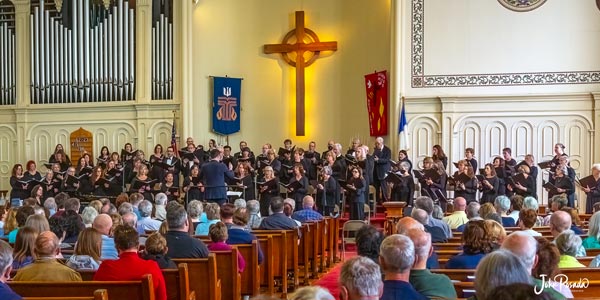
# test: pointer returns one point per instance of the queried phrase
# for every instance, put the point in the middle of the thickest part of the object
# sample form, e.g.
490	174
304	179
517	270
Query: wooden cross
306	41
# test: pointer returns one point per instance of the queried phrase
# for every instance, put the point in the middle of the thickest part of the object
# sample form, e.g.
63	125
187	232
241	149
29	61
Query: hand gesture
320	186
587	189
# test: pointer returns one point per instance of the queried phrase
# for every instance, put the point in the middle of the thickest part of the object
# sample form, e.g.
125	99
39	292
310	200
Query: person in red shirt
129	266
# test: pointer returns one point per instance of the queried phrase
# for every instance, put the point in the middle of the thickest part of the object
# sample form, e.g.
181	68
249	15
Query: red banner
377	102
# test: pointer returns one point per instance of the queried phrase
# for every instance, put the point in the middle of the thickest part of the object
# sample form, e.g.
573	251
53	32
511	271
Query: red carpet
329	281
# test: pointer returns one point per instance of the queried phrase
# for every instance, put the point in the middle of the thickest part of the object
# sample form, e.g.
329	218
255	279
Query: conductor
213	175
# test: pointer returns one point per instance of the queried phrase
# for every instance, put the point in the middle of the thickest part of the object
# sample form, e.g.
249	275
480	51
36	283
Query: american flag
174	138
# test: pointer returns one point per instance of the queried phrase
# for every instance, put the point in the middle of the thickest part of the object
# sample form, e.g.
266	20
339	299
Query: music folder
480	178
114	172
314	183
269	184
103	180
461	178
309	155
283	151
163	165
351	159
138	184
519	178
72	180
455	164
545	164
48	166
394	178
187	155
550	187
292	185
172	190
588	181
84	171
482	171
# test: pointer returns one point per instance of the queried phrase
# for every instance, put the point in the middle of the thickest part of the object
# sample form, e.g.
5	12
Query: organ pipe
162	50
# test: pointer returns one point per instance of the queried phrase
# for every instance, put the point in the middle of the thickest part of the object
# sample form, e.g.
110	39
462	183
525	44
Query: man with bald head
458	217
103	223
429	284
405	225
437	234
46	267
524	247
559	222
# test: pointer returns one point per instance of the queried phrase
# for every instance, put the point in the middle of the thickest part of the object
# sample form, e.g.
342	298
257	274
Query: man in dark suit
278	220
175	162
213	175
381	156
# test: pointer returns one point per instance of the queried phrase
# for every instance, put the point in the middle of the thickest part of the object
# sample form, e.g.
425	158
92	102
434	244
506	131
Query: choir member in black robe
300	192
524	189
470	158
17	184
562	184
244	182
157	172
489	185
192	186
53	158
268	189
439	155
403	189
465	184
169	187
328	192
592	190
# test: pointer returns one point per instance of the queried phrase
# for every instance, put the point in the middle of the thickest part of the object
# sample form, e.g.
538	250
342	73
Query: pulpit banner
377	102
226	105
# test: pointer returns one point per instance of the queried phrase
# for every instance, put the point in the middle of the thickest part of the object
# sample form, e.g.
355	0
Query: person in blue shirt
396	257
307	213
476	244
5	268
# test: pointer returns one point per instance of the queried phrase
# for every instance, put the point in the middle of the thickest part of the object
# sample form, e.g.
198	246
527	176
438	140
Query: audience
556	203
476	244
575	221
498	268
46	267
429	284
311	293
253	208
524	246
87	251
437	233
593	239
532	203
39	223
24	248
486	210
88	216
519	291
559	222
130	266
425	203
459	216
195	211
237	233
547	265
307	213
218	236
156	249
496	233
146	223
5	268
516	205
368	240
396	257
360	278
278	220
103	224
502	205
179	242
527	219
160	212
213	214
21	216
407	223
568	244
472	214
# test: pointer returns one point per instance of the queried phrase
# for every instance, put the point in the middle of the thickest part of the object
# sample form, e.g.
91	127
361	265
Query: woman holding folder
465	183
591	187
489	185
355	189
268	189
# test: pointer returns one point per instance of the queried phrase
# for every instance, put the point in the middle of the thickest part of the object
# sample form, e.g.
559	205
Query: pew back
203	276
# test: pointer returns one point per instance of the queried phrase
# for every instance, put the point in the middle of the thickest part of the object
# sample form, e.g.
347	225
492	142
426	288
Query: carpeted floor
329	281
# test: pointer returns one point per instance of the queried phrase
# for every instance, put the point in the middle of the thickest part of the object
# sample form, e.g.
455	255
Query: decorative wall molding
420	79
522	5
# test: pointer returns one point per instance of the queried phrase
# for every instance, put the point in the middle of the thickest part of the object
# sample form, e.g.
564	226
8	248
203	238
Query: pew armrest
192	295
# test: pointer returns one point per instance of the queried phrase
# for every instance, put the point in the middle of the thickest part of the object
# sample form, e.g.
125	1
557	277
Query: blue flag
403	128
226	105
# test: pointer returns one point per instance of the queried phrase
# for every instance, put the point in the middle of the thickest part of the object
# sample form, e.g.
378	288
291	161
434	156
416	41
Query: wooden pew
321	249
330	242
142	290
446	254
592	252
203	276
305	249
574	274
292	241
250	281
177	282
98	295
280	255
267	274
463	275
447	246
228	273
336	238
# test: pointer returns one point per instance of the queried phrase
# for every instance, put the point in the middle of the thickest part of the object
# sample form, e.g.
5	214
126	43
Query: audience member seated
532	203
213	216
311	293
593	239
307	213
160	212
156	249
21	216
498	268
5	268
239	203
88	215
146	223
130	266
502	205
253	208
218	236
237	233
519	291
437	233
87	251
425	203
495	232
104	223
527	219
407	223
557	202
67	226
437	213
568	243
547	265
516	205
179	242
486	210
575	221
46	267
476	244
24	250
288	210
559	222
278	220
360	278
195	210
429	284
472	214
396	257
524	246
459	216
368	241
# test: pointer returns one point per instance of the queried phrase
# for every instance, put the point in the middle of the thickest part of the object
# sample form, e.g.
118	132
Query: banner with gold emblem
226	105
377	102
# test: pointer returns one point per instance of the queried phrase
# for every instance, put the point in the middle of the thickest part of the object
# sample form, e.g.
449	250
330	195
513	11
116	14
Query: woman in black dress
489	185
268	189
192	186
18	188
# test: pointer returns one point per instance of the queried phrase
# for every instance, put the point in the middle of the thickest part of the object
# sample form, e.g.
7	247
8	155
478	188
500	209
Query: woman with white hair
311	293
88	215
328	192
502	205
563	184
568	243
532	203
593	239
592	191
499	268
